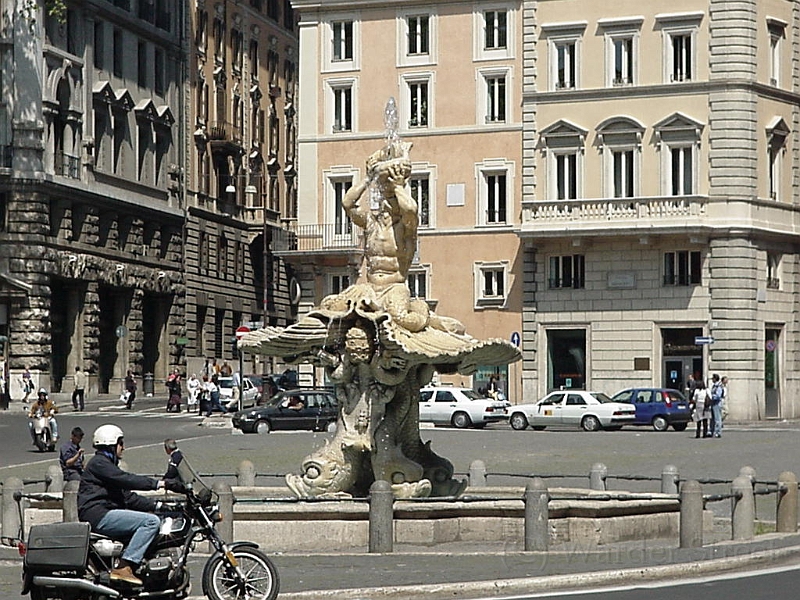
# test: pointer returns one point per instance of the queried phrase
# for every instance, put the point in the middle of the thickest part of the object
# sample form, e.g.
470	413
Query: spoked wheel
221	582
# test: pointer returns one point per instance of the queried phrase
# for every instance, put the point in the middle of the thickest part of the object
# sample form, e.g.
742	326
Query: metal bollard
742	509
69	504
12	526
381	517
537	527
597	477
477	474
786	518
225	502
691	534
246	474
54	480
669	480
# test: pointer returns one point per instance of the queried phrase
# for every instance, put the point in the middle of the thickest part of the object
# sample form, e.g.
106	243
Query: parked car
659	407
459	407
228	399
588	410
311	409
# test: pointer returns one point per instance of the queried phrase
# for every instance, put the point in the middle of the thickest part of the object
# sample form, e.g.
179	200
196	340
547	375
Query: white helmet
107	435
42	391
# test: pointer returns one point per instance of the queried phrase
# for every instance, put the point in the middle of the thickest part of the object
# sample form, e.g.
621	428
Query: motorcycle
65	561
42	436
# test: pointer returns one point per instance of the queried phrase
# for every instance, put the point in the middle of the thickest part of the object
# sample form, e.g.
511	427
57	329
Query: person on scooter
106	501
49	409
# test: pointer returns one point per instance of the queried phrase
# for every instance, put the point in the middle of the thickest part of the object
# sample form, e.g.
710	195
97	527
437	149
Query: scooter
67	561
42	436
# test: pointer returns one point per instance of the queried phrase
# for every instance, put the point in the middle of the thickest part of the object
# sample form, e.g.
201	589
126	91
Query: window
342	48
99	44
777	33
495	98
418	103
142	64
118	52
682	268
158	72
253	58
495	29
566	176
773	271
777	133
621	138
342	223
420	192
679	138
495	181
491	284
342	108
681	57
496	197
237	50
219	40
565	65
623	173
679	31
682	169
418	283
418	34
338	283
567	272
201	35
623	61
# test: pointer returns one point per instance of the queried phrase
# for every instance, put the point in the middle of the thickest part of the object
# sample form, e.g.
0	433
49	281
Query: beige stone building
660	182
455	71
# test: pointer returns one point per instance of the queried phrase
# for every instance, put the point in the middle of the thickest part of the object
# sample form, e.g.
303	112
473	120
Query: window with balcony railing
6	155
67	165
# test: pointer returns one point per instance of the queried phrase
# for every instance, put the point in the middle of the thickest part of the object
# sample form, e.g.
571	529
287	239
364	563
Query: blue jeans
140	527
716	419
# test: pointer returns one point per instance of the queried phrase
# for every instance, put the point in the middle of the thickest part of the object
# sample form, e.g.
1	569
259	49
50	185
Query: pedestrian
717	398
702	409
27	385
212	390
78	393
724	404
193	385
174	387
175	458
71	456
225	370
691	386
130	389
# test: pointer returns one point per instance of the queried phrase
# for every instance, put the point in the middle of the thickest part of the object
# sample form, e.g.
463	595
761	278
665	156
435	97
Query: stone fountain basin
333	525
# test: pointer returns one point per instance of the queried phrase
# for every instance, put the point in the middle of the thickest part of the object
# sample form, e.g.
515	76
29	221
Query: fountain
379	346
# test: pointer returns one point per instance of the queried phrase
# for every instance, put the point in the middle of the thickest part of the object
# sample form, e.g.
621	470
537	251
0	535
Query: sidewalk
464	571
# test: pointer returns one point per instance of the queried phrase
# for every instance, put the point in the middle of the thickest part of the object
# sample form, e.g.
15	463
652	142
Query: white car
589	410
229	400
459	407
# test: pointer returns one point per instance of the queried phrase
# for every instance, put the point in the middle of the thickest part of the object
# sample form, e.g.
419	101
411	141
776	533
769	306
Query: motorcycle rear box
58	547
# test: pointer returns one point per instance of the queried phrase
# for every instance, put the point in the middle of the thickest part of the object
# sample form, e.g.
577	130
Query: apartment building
91	213
455	72
660	178
242	184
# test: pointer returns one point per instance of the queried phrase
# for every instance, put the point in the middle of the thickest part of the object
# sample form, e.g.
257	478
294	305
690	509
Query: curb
547	583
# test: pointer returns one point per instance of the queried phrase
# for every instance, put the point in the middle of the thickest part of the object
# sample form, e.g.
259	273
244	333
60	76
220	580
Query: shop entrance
566	359
681	357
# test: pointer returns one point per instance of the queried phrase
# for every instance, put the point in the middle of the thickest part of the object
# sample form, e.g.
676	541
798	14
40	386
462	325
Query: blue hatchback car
659	407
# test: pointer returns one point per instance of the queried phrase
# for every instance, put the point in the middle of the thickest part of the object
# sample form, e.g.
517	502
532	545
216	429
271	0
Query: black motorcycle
65	561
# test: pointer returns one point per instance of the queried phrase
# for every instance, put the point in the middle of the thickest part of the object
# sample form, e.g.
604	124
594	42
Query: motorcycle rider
106	501
49	409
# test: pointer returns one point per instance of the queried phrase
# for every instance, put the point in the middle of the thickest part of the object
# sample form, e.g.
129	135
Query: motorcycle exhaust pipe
74	583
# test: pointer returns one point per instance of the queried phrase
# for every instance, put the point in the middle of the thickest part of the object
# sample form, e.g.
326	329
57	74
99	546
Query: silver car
459	407
229	400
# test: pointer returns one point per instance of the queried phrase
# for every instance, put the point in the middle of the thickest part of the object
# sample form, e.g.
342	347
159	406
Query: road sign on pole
701	340
240	331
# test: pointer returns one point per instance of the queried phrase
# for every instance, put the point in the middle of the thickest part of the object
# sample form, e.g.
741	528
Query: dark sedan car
660	408
311	409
